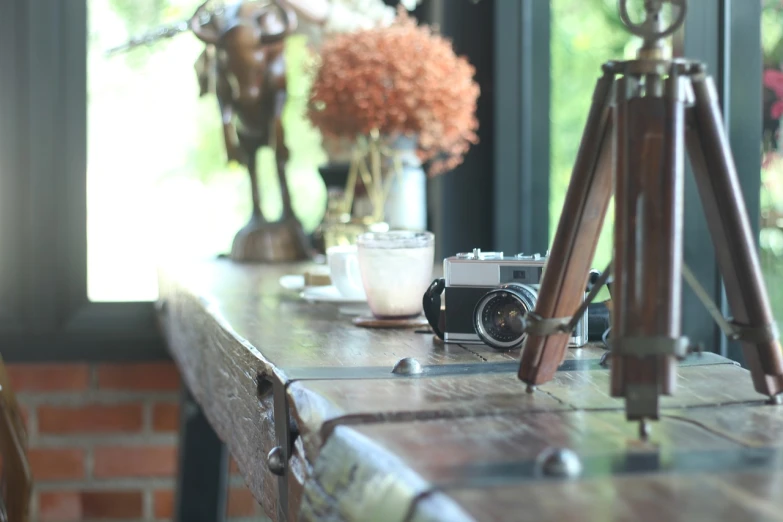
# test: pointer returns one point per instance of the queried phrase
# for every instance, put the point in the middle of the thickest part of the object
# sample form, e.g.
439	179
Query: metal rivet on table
558	462
407	366
275	461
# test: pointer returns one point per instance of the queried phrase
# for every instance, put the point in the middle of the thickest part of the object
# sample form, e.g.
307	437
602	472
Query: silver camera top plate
479	268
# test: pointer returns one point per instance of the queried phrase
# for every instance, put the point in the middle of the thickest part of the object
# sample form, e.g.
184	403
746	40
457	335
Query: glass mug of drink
396	269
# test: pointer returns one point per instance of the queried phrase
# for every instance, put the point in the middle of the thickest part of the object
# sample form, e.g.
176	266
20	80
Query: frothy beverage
396	269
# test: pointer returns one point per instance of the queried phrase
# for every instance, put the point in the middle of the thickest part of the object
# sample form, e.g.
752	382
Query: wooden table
460	441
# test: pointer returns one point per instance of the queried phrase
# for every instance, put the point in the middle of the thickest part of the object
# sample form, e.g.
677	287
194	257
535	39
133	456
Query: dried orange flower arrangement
400	79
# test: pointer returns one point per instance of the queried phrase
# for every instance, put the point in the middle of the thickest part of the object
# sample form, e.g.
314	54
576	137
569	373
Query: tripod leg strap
753	334
733	330
537	325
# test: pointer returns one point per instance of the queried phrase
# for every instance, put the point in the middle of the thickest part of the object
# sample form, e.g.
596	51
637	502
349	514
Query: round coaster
368	321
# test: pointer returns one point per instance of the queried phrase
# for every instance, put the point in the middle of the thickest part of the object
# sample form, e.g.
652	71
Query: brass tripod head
652	29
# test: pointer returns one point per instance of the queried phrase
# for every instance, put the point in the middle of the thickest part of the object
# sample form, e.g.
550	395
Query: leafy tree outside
587	33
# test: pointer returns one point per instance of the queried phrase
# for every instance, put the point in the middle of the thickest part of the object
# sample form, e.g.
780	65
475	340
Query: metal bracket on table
278	458
286	431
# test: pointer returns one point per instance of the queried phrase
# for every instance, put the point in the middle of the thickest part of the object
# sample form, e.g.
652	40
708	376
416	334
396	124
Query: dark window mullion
702	41
10	117
535	124
726	35
43	145
508	129
43	233
742	97
522	125
742	104
73	71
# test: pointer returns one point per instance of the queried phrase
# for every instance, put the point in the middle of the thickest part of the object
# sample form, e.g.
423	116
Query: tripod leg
649	135
563	284
727	218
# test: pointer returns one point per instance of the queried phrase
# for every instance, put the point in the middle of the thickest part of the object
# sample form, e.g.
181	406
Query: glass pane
771	237
585	35
158	181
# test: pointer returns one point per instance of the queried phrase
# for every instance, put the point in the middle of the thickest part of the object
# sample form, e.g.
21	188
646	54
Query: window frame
45	313
726	36
522	125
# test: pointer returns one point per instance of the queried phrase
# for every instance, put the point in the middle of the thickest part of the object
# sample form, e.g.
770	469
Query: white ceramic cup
344	271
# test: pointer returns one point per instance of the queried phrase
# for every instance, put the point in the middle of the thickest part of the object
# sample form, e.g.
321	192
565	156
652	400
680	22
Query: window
585	35
157	178
43	275
158	183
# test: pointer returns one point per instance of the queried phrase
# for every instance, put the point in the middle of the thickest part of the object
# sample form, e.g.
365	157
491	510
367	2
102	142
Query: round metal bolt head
275	461
407	366
559	462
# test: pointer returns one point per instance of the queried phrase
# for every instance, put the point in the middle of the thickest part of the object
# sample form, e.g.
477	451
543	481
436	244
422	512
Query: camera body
480	286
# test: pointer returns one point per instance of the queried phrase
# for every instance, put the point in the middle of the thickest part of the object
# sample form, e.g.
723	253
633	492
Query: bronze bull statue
244	63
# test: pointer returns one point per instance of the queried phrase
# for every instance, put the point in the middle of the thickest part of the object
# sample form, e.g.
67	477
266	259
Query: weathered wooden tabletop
460	441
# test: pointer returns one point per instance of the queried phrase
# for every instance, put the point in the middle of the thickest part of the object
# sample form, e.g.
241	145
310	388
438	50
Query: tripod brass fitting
652	30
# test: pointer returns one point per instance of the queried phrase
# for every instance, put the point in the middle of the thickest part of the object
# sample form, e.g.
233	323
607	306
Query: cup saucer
327	294
368	321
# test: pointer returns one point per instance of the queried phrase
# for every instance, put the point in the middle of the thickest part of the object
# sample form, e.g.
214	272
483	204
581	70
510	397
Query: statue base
263	242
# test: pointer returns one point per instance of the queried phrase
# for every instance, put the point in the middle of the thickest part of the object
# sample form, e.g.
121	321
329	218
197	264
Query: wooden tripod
645	114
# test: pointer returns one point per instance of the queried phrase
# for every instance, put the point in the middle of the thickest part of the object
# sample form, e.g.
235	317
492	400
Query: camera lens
499	316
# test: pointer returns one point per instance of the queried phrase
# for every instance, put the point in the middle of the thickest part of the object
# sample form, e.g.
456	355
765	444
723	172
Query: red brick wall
103	442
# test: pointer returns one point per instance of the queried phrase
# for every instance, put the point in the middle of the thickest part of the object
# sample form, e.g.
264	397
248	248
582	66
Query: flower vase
406	204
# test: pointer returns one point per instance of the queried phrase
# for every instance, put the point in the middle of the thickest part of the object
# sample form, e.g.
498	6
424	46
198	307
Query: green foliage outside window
771	237
587	33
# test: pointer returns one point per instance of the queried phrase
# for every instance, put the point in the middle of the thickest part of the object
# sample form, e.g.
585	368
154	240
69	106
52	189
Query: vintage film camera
487	296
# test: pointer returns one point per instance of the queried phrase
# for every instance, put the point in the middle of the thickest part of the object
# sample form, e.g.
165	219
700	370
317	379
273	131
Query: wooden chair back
15	477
